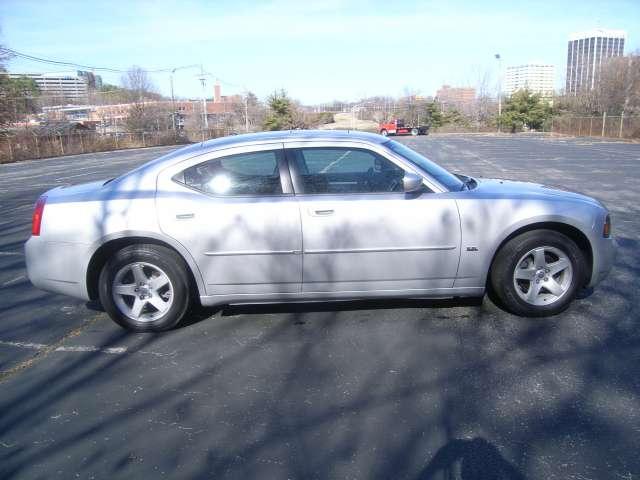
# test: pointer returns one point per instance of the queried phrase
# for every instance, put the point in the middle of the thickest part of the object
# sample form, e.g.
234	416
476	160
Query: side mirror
412	182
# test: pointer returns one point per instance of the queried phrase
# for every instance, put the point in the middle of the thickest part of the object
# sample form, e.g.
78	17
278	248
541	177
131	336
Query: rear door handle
184	216
322	213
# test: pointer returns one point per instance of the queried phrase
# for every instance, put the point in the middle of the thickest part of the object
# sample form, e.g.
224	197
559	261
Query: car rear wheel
414	132
145	288
538	273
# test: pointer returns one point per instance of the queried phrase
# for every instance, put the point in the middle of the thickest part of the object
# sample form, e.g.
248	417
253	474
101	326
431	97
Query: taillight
38	211
606	230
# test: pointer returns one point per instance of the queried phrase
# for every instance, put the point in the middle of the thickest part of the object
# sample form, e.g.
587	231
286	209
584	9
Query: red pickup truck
397	127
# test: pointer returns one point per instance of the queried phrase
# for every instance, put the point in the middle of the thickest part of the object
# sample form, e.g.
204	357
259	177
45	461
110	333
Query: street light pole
499	58
173	103
203	81
173	99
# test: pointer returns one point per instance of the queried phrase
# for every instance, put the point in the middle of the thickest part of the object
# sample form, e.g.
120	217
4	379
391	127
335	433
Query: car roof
293	136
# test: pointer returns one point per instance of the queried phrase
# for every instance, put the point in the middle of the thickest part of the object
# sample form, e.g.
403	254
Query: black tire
506	261
415	132
165	259
384	133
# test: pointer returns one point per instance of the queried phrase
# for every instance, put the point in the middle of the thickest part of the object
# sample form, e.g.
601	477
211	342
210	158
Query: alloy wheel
543	276
142	291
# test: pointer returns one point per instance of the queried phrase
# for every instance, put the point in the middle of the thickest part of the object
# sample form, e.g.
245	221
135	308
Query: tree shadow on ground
470	459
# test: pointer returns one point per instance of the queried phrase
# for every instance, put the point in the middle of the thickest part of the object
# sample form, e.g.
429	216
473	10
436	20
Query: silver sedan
311	216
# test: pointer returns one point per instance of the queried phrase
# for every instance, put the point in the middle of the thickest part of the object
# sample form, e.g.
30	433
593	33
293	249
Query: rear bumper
603	259
57	267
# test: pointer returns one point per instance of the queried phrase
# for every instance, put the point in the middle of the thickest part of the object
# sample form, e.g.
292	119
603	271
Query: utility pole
173	103
499	58
203	81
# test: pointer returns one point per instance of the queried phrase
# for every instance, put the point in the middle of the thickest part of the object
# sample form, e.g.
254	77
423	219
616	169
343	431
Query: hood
498	188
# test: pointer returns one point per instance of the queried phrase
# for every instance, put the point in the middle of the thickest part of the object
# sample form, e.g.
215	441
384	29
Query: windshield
448	180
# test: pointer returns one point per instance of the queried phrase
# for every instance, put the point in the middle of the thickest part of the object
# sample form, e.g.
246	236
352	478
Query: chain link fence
27	144
626	127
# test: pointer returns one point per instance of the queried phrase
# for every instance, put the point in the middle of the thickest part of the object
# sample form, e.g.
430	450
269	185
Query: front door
361	232
237	216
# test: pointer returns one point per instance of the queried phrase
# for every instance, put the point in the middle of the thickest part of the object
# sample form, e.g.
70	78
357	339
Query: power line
47	61
33	58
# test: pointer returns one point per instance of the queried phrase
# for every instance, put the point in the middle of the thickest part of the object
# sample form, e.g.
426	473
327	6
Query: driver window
346	170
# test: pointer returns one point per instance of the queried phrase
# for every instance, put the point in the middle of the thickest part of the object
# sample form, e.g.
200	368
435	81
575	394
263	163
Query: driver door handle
321	212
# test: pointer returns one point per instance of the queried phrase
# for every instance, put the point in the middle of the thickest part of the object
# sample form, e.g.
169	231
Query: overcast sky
317	51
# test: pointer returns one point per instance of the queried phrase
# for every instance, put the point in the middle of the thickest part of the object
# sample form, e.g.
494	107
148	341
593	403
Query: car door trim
253	252
382	249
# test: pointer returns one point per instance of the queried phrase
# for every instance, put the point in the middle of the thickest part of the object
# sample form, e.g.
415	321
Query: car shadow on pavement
346	305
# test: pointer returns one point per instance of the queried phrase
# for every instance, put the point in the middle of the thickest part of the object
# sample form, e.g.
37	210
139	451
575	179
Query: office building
535	77
586	53
69	87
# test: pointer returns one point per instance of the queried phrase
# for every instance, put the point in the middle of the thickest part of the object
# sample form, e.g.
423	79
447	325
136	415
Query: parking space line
73	348
14	280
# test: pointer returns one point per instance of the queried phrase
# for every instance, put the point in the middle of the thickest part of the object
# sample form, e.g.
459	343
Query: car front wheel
145	288
538	273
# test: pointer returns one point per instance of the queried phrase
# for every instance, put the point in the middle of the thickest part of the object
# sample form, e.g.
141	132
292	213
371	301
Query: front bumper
57	267
604	256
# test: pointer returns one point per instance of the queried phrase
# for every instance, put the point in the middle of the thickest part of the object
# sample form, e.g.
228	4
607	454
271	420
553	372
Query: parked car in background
311	215
398	127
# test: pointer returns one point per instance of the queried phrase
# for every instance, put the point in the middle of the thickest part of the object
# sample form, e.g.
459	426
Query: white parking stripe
74	348
13	280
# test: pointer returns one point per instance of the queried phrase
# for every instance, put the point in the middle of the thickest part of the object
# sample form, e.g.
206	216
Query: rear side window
346	170
254	173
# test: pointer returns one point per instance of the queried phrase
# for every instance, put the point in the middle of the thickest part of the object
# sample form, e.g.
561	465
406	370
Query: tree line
617	92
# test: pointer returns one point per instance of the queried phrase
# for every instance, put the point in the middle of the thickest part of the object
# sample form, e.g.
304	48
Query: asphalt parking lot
358	390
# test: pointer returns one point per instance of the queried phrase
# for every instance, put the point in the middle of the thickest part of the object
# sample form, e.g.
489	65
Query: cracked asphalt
357	390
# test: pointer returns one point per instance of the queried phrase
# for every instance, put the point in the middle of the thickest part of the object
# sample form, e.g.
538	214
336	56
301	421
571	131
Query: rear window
253	173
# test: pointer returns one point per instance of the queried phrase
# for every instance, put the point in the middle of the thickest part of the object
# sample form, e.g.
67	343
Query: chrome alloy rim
142	291
543	276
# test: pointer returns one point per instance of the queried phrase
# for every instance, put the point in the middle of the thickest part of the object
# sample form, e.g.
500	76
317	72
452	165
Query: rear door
235	212
361	232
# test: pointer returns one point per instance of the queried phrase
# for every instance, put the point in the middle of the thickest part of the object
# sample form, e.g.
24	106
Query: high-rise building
585	54
535	77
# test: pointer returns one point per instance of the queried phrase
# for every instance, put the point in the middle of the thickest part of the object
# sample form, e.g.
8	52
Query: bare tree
410	106
250	112
619	85
140	87
485	106
617	90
